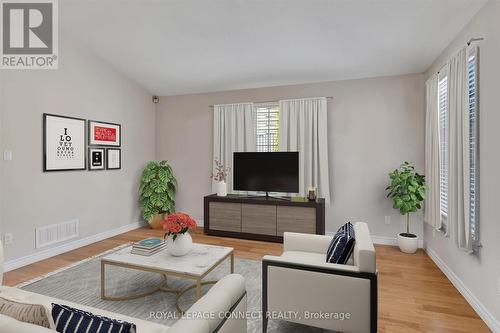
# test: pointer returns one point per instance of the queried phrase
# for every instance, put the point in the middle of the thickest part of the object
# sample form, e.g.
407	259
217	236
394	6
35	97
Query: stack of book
148	246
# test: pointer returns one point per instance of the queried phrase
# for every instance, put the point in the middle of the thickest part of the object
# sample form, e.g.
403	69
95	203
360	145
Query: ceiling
191	46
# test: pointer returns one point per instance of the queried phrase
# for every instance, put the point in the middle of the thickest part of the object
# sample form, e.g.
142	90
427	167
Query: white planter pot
407	243
221	189
181	246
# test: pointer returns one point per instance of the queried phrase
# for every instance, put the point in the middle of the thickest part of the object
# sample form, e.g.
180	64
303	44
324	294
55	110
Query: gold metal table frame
164	285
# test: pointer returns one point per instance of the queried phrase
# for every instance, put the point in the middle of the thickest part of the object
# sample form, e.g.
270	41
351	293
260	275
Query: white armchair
302	286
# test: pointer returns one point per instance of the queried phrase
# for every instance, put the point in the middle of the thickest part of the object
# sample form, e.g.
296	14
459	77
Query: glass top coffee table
193	266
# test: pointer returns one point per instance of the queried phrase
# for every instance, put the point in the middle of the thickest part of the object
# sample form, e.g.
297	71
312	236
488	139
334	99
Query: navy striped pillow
342	245
70	320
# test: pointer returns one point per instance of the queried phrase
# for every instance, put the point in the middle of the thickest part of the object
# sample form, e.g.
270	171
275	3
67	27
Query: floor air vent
56	233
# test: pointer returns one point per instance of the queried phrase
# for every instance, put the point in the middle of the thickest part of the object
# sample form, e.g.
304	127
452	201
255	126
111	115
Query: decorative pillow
70	320
342	245
35	314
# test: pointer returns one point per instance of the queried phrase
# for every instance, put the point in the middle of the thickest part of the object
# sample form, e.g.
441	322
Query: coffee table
193	266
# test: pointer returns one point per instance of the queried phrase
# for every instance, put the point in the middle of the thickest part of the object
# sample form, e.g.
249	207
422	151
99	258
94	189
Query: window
443	146
472	73
267	127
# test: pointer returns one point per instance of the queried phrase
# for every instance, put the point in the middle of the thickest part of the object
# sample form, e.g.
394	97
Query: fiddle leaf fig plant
407	190
157	190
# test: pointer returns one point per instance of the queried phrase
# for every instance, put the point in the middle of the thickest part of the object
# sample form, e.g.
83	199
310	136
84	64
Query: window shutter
473	143
443	145
267	127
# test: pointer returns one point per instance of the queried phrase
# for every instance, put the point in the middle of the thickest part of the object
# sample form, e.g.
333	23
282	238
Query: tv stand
262	217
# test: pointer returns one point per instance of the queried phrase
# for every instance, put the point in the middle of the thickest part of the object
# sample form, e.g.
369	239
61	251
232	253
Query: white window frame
267	138
473	52
443	156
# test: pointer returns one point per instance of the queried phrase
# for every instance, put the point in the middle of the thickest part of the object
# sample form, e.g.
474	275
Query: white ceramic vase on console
181	246
221	189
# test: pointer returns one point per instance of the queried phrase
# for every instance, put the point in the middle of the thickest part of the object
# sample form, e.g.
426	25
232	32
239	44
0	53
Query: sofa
227	296
312	292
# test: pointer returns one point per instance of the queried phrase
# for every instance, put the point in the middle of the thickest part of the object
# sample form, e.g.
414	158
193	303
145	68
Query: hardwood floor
414	295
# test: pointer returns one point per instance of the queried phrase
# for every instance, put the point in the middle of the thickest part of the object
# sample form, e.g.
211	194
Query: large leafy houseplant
407	191
157	190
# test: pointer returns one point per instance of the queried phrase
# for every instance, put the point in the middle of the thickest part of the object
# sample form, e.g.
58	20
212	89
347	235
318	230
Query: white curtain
432	202
303	128
459	182
234	131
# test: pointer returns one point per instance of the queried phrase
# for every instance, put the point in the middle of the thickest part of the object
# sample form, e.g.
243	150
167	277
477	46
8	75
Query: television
266	172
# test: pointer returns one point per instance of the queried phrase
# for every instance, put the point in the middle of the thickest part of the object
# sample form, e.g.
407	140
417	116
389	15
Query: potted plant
157	192
220	176
407	191
177	226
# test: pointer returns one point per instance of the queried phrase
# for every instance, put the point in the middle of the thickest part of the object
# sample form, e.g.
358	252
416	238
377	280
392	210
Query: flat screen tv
266	172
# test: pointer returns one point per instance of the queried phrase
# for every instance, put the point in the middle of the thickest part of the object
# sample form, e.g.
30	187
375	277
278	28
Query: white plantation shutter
266	127
472	76
443	145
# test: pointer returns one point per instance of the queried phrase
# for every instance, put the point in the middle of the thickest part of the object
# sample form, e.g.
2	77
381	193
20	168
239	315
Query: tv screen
266	172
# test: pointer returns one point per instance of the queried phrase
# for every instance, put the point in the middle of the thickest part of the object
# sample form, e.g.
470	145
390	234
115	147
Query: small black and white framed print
104	134
63	143
96	158
113	158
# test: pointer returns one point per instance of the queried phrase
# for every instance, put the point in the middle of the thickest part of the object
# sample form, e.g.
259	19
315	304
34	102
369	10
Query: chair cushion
29	297
10	325
35	314
342	245
70	320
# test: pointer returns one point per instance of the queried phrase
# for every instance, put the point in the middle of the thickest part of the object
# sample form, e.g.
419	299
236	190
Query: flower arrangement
221	172
177	224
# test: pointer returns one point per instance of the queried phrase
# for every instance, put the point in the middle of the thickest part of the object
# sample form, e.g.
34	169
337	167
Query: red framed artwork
104	134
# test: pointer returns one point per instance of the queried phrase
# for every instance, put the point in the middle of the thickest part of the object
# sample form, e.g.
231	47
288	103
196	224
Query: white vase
408	243
181	246
221	189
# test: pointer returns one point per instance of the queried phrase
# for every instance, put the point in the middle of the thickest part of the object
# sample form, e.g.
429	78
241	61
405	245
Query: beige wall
85	87
480	274
373	125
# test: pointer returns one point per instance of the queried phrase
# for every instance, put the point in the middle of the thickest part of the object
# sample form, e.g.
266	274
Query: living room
330	166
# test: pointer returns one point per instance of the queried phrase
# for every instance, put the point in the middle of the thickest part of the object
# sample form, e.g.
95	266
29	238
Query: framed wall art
113	159
63	143
96	158
104	134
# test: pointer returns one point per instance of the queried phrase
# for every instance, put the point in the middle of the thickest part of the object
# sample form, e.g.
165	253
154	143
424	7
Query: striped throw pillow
70	320
342	245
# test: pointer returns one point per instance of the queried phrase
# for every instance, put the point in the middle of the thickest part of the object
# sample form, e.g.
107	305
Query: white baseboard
476	304
44	254
384	240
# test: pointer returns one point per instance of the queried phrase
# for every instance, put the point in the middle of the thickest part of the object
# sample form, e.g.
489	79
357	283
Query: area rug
80	283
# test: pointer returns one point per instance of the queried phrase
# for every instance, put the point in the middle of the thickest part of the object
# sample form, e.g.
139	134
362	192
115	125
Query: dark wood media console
262	218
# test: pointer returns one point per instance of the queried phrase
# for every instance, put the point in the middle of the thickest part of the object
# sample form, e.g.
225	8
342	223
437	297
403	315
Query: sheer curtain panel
303	128
432	202
459	169
234	131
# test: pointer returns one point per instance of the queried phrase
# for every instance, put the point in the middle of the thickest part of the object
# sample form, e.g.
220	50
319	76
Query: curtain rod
264	102
470	41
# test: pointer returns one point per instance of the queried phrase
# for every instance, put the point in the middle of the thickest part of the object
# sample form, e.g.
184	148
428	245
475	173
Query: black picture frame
89	131
119	160
91	160
44	143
